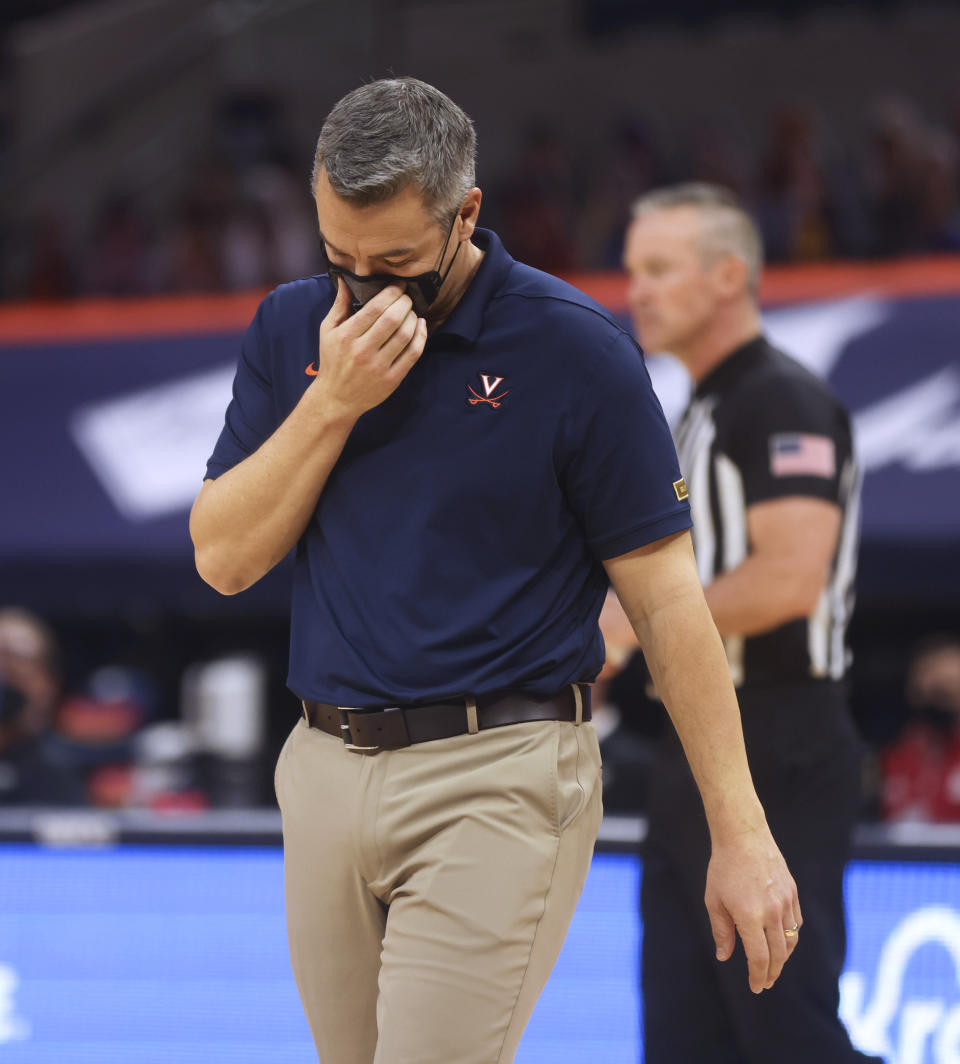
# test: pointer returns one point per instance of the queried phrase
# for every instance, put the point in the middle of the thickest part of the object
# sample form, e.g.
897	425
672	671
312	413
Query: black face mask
422	289
940	718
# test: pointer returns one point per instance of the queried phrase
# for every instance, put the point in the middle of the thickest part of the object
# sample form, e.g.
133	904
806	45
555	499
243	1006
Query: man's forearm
246	521
660	591
689	668
748	886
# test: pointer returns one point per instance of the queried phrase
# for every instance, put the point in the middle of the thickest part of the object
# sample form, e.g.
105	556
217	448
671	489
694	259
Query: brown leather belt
369	730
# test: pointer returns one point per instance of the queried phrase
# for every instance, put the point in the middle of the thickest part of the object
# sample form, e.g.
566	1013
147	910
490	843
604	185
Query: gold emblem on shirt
680	489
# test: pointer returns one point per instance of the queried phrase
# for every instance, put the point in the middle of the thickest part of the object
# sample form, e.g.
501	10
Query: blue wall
179	956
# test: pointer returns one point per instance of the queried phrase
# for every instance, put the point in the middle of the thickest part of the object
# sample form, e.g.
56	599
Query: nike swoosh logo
310	371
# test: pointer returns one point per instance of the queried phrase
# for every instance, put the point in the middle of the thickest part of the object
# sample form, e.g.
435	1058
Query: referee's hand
750	891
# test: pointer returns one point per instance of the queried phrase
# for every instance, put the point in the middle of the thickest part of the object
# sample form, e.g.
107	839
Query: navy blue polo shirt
457	545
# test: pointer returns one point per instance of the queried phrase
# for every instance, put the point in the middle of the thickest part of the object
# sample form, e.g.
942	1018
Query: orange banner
102	319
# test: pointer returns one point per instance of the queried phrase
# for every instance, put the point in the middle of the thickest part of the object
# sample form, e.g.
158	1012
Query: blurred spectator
99	726
940	199
270	235
248	247
921	771
537	203
50	273
632	164
718	153
94	747
896	179
244	219
249	130
793	200
168	775
269	230
34	767
291	218
122	260
195	252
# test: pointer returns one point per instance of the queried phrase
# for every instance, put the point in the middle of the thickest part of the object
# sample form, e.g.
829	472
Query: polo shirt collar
466	318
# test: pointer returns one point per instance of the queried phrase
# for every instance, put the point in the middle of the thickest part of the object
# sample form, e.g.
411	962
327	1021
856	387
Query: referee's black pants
804	756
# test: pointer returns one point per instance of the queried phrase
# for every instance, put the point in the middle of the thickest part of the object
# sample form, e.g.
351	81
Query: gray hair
396	132
728	228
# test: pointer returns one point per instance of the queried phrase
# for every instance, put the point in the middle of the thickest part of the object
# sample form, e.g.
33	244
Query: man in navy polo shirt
464	452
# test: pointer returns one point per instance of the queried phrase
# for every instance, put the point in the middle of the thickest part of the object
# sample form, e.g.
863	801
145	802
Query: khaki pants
429	889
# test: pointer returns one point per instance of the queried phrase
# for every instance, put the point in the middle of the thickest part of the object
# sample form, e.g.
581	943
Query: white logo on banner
924	1023
12	1027
149	449
816	334
918	428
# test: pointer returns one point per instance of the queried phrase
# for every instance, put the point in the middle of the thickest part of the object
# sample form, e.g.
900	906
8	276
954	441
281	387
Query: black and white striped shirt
760	427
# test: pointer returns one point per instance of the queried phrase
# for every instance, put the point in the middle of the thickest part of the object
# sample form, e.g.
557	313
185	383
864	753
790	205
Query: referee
774	491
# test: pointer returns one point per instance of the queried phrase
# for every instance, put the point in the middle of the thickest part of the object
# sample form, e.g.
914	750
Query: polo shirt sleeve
251	416
789	437
617	463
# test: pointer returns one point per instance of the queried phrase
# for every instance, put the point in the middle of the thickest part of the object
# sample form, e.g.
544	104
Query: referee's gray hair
396	132
728	227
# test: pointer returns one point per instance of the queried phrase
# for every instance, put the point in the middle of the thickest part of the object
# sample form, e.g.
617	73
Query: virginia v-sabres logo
493	392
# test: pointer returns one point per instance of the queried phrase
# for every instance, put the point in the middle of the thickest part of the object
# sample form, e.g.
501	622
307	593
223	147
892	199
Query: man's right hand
363	357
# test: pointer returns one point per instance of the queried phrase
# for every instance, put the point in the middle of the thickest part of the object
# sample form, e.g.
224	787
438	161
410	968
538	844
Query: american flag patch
796	454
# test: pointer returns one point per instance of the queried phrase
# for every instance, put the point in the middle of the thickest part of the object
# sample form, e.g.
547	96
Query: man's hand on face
363	357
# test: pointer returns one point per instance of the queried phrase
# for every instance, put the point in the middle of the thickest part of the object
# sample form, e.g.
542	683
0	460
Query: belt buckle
348	742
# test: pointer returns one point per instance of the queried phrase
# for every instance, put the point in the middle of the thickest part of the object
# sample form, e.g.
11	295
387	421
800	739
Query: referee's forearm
246	521
760	595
